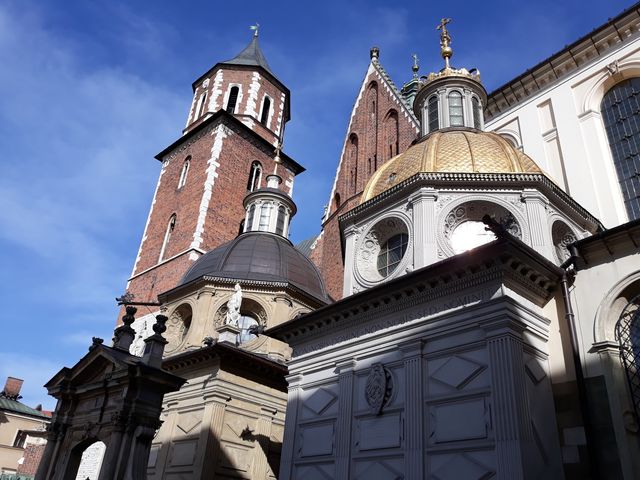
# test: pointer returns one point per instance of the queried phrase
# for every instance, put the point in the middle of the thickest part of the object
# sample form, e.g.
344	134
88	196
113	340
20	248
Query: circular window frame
369	244
446	228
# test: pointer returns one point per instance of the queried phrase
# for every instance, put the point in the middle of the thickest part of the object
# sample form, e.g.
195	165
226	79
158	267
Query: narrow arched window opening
203	101
167	236
336	201
241	228
280	223
233	99
433	113
266	106
184	172
255	176
456	111
265	217
250	215
477	113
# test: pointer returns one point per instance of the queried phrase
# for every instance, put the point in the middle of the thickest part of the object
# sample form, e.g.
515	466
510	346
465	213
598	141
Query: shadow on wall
201	455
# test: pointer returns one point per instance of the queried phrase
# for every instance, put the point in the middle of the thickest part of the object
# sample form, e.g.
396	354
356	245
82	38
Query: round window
391	253
381	251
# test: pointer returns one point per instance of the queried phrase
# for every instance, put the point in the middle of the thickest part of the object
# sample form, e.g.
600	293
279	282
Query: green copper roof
252	56
20	408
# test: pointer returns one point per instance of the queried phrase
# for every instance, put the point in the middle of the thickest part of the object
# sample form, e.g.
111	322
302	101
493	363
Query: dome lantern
452	97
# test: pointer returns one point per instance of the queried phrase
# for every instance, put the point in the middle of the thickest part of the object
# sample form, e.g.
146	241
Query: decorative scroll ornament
378	388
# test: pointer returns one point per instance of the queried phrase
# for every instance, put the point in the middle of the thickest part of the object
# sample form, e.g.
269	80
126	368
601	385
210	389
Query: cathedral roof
455	150
252	55
260	257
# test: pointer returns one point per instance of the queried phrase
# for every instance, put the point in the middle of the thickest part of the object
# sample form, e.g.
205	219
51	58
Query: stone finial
154	345
95	341
374	53
415	67
123	335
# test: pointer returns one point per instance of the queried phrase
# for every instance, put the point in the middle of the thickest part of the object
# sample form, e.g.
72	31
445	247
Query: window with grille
628	335
456	113
391	253
621	116
265	217
433	113
280	220
477	113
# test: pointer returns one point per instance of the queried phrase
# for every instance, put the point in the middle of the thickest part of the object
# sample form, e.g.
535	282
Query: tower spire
445	41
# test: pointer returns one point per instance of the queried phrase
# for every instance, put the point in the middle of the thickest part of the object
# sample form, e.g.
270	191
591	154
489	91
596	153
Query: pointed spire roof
252	55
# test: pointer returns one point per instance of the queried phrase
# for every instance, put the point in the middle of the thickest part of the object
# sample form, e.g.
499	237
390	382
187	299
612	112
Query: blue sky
91	91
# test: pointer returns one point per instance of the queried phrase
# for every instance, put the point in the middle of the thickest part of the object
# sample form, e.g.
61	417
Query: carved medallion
378	389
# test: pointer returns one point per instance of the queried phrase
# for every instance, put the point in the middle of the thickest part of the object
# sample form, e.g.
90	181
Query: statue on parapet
233	307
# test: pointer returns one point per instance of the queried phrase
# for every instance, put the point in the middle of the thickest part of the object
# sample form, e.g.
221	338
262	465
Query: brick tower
381	126
233	132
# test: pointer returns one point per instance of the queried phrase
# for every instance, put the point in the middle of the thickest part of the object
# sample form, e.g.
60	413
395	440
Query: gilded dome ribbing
451	150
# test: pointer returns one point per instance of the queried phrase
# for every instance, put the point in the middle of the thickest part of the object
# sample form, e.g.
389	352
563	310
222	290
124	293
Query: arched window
266	106
167	236
265	217
250	215
336	201
628	335
456	112
353	160
255	176
477	113
183	174
433	114
233	98
241	228
621	115
280	223
203	101
392	132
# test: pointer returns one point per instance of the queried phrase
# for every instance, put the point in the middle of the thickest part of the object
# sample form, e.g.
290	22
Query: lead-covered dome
260	257
456	150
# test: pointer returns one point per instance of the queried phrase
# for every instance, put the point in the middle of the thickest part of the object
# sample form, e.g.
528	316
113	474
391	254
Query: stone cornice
570	59
231	122
477	275
230	358
481	180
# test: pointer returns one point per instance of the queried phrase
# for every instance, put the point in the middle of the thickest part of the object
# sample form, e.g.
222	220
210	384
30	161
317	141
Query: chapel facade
463	313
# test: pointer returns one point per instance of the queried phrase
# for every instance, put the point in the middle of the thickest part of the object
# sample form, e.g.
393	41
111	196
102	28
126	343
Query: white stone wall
561	128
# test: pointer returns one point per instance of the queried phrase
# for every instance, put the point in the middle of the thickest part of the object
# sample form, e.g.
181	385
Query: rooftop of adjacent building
10	401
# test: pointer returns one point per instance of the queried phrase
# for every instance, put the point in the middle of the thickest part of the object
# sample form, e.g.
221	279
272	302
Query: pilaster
539	232
290	424
423	204
512	420
350	235
343	424
414	406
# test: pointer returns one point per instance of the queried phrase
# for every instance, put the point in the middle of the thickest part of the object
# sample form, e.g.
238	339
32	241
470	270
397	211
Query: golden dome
459	151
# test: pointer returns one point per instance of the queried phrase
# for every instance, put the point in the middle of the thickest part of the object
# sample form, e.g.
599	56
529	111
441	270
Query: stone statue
233	307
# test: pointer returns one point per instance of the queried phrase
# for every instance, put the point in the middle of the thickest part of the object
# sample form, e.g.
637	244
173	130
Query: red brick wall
377	122
244	78
224	213
32	456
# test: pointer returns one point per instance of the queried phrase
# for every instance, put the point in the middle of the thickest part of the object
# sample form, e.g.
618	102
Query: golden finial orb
445	41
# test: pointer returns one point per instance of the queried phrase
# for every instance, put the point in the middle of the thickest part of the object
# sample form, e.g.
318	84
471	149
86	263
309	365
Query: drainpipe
582	390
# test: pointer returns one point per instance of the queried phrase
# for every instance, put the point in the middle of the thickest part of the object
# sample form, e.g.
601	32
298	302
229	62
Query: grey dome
260	256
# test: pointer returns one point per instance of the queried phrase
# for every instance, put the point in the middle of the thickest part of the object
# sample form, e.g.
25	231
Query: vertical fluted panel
510	406
343	425
413	424
261	449
290	422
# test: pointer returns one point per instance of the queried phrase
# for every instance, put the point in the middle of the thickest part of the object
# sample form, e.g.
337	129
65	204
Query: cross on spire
445	41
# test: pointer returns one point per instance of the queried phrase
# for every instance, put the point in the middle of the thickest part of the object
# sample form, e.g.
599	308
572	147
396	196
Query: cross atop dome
445	41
